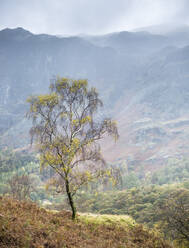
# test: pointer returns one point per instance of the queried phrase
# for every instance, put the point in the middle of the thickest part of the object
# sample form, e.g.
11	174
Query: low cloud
93	17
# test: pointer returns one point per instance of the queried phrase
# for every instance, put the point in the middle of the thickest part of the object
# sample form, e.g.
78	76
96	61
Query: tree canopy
67	131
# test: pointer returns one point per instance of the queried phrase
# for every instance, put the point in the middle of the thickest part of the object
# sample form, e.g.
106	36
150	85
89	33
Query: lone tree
67	134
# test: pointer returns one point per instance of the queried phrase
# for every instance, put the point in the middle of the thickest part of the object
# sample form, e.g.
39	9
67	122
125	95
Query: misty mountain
138	43
28	62
142	77
164	29
177	34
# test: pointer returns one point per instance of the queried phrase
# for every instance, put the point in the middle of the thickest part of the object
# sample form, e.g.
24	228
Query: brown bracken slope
24	224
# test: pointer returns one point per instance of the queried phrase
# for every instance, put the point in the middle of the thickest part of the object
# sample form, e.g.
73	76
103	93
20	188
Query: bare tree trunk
71	201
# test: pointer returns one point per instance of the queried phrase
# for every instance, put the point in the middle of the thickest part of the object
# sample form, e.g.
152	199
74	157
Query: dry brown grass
24	224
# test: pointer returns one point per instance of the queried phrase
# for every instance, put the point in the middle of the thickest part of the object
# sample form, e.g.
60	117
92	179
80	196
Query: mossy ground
24	224
124	221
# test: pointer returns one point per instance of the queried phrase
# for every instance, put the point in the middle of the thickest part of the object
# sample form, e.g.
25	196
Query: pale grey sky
72	17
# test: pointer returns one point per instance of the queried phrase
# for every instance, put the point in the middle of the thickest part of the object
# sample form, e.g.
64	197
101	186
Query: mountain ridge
137	80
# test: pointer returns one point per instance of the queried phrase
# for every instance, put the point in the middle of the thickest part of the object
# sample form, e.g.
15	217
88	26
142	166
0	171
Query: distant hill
142	77
133	43
164	29
176	33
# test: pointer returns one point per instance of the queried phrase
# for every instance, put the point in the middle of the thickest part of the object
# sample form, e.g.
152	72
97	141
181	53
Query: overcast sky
90	16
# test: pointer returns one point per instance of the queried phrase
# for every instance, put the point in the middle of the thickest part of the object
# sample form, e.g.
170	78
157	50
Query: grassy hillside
148	200
165	207
24	224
